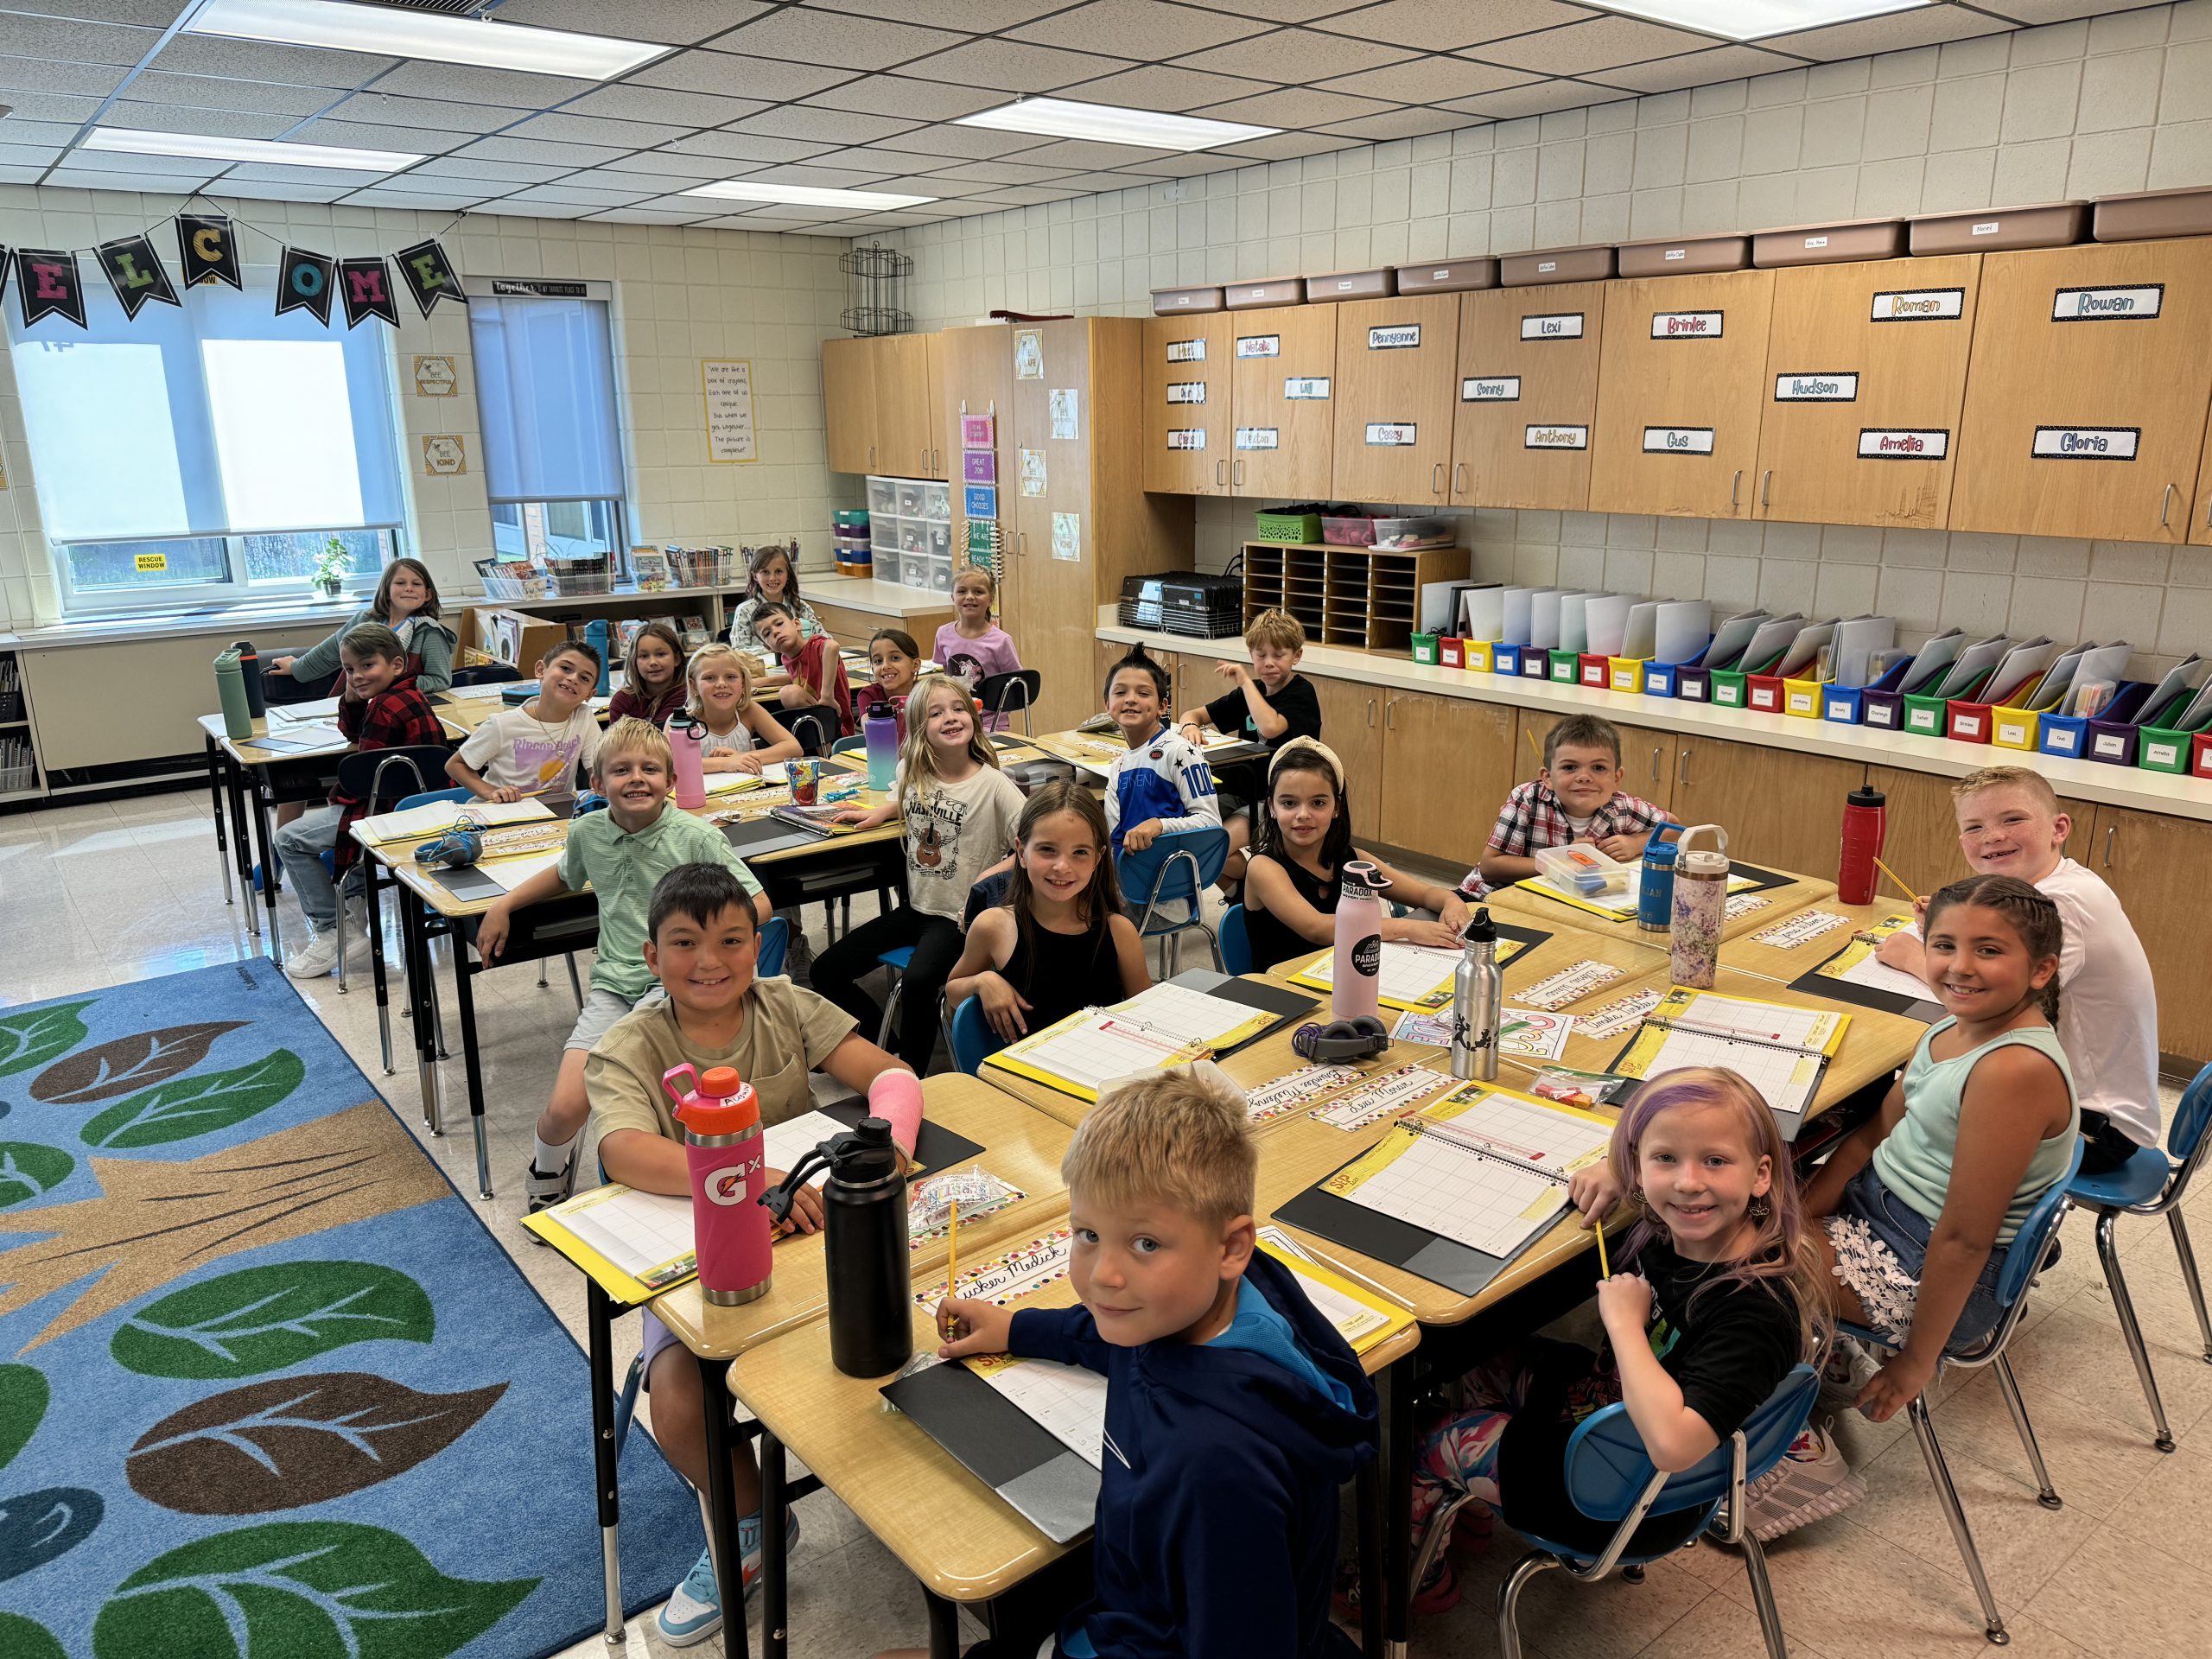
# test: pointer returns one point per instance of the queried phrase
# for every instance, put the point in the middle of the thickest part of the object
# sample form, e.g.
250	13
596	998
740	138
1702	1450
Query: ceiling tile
535	150
447	189
686	110
429	140
825	126
465	84
924	100
682	22
1080	155
667	172
48	106
969	16
1279	11
150	14
13	154
1542	98
1401	124
212	93
476	171
1191	166
392	196
1163	30
738	76
47	75
42	132
2058	12
1091	183
1695	69
824	178
1577	49
1287	146
934	185
1895	32
169	117
377	109
503	209
75	42
268	172
567	128
1294	57
639	216
1441	25
1426	80
1163	87
1295	107
972	142
1012	67
170	167
295	65
802	35
270	190
563	192
1005	173
735	146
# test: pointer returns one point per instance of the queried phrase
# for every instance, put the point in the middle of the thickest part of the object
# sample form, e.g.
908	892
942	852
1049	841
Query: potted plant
330	567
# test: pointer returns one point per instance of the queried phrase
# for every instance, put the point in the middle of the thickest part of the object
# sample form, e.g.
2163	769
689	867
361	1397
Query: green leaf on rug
297	1441
30	1171
184	1107
264	1318
32	1036
304	1589
23	1395
21	1638
132	1062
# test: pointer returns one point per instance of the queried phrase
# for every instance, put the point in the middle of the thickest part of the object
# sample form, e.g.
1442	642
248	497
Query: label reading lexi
2085	443
1565	325
2012	733
1308	388
1393	336
2104	304
1678	440
1556	437
1491	389
1187	391
1903	443
1187	351
1258	437
1920	305
1259	345
1686	325
1188	437
1824	388
1392	435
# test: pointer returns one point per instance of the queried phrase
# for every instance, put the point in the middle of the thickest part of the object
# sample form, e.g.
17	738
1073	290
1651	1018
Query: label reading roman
1555	438
1491	389
1187	391
1686	325
1393	336
1188	437
1903	443
1678	440
1920	305
1831	387
1187	351
1258	437
2085	443
2106	304
1259	345
1565	326
1392	433
1312	389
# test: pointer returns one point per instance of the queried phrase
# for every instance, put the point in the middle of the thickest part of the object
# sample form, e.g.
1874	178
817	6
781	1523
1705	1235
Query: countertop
867	594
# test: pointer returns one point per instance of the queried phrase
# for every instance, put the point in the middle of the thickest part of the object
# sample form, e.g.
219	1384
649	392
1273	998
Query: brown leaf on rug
127	1062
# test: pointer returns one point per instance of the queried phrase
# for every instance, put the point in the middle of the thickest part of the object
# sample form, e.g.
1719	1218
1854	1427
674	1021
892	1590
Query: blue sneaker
694	1611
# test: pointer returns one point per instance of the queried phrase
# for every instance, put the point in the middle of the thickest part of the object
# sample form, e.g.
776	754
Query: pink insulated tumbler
1356	981
687	742
721	1135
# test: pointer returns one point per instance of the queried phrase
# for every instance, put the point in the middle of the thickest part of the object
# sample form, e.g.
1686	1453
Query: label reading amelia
1187	351
1187	391
1393	336
1678	440
1825	388
1920	305
1258	437
1306	389
1392	433
2085	443
1188	437
1899	443
1259	345
1556	437
1565	326
1491	389
2106	304
1686	325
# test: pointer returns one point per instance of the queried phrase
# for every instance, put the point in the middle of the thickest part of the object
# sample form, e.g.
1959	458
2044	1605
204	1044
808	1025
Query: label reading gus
1901	444
2108	304
1258	437
1187	351
1492	388
2085	443
1187	391
1555	438
1306	389
1188	437
1565	326
1259	345
1392	433
1832	388
1393	336
1686	325
1678	440
1920	305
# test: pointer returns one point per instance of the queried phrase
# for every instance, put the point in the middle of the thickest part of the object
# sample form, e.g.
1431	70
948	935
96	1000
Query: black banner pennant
134	271
430	274
207	249
365	286
303	282
47	285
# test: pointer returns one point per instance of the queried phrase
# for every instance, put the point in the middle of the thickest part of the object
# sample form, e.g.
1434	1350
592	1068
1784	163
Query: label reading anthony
1393	434
1566	325
2085	443
1826	388
1920	305
1556	437
1259	345
1491	389
1678	440
1393	336
2108	304
1187	391
1686	325
1903	443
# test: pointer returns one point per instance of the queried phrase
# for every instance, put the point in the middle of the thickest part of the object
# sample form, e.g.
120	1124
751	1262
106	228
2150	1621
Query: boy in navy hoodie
1234	1410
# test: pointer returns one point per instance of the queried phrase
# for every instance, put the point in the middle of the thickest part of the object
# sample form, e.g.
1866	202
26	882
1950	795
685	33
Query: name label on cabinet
1393	336
1555	438
1817	241
1677	439
1306	389
1686	325
1831	387
1187	351
1392	435
1188	437
1259	345
1187	391
2161	755
2085	443
1920	305
1258	437
2106	304
1903	443
1494	389
1565	326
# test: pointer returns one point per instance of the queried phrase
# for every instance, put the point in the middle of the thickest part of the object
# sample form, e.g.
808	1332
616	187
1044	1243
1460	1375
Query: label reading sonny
1491	389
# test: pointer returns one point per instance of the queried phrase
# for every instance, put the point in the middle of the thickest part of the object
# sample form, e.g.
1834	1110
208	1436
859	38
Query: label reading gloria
1901	444
1259	345
1828	388
2085	443
1392	433
1565	326
1920	305
1187	391
1306	389
1393	336
1188	437
1686	325
1555	438
1258	437
2106	304
1678	440
1187	351
1491	389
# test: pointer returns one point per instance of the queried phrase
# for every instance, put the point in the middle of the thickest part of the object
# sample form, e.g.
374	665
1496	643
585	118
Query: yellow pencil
1904	886
1535	747
1605	1269
952	1254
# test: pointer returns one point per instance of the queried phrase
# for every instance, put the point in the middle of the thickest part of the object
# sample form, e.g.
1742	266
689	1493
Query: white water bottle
1478	992
1355	986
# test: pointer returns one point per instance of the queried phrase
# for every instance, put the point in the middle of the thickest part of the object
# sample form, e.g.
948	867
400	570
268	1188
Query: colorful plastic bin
1801	699
1763	693
1846	705
2114	736
1481	655
1425	649
1505	657
2068	734
1593	671
1626	674
1451	651
2200	754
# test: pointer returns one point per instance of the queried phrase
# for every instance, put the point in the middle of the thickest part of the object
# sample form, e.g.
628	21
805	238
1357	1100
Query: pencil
1605	1269
1535	746
1903	884
952	1255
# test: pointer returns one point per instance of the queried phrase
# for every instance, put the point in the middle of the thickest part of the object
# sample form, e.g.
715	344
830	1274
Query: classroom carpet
267	1387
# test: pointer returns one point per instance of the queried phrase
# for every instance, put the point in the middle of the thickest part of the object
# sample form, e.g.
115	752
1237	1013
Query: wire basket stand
875	283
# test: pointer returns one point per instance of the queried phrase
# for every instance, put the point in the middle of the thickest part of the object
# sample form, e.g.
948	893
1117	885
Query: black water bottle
249	671
864	1228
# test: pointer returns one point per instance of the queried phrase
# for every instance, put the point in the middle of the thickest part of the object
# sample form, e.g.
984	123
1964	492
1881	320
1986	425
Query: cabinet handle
1735	488
1765	478
1436	479
1458	478
2110	831
1389	709
1221	474
871	457
1371	714
2166	505
1657	751
1682	770
1237	475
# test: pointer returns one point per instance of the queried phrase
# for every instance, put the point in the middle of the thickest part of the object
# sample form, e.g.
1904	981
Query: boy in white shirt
1161	783
2010	824
536	749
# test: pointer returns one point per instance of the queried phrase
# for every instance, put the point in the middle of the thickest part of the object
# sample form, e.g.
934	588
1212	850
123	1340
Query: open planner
1417	977
1455	1191
1781	1051
1854	975
1162	1026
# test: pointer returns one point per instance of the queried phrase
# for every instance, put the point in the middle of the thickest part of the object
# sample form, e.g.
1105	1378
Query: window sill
94	629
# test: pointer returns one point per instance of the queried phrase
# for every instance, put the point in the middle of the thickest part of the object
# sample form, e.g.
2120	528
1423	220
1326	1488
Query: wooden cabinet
1678	395
2200	516
1781	811
1351	724
2156	865
1283	394
906	420
944	441
1394	396
1527	393
2085	406
1866	372
1441	757
1187	405
849	404
975	376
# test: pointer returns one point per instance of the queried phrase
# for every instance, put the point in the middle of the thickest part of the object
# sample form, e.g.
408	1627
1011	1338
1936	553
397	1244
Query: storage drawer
1351	285
1829	244
1183	301
1267	290
2047	225
1556	266
1696	255
1457	277
2147	215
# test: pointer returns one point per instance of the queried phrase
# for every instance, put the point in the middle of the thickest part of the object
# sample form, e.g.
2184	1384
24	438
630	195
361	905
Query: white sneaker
317	958
1845	1374
1812	1481
357	917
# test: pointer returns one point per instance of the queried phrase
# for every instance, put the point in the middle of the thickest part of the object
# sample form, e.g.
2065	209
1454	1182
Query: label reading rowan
2108	304
1686	325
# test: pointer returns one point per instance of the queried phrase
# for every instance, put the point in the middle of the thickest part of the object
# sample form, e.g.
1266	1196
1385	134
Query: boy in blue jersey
1163	783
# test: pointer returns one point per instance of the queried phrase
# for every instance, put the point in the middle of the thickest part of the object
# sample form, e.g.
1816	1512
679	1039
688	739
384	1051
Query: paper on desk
295	714
1856	639
1518	615
1857	965
1607	618
1973	663
512	872
724	783
1732	639
1194	1017
792	1139
476	693
1773	638
1805	648
302	737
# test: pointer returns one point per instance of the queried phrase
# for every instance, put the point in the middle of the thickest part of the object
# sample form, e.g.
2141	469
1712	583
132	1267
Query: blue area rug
267	1387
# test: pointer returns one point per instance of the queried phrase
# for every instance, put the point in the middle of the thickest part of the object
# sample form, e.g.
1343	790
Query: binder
1693	681
1830	979
1663	638
1782	1050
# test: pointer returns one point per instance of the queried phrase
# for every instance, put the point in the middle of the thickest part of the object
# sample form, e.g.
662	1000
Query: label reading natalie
1392	435
1920	305
2104	304
1556	437
1491	389
1258	437
1306	389
1678	440
1187	351
1391	337
1259	345
2085	443
1829	388
1686	325
1900	443
1187	391
1565	326
1188	437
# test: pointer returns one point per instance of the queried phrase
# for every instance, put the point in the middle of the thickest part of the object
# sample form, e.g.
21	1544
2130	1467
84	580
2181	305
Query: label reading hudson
1395	336
1491	389
1187	351
1393	434
1306	389
2108	304
1686	325
1187	391
1556	437
1903	443
2085	443
1188	437
1920	305
1826	388
1258	437
1678	440
1259	345
1565	326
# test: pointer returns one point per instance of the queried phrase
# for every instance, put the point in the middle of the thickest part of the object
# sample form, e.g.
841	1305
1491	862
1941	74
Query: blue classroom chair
775	943
1233	945
1174	871
973	1040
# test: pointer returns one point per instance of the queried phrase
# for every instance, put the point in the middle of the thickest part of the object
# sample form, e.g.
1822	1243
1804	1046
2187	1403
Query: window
545	394
205	452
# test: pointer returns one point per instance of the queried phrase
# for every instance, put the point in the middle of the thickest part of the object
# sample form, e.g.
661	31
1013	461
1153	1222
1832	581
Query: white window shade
545	395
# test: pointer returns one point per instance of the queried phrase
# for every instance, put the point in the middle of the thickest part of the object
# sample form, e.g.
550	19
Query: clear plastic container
911	501
1399	534
939	539
883	532
1582	868
913	536
882	496
940	571
936	501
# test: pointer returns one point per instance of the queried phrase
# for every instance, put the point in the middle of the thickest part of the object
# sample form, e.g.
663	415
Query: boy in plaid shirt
1575	796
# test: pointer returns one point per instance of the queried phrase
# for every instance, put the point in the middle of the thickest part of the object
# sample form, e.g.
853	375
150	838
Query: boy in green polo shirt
620	852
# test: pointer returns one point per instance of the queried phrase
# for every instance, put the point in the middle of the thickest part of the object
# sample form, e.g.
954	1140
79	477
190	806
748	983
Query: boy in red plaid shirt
380	708
1574	798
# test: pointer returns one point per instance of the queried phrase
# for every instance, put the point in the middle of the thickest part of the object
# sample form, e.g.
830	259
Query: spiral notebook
1780	1050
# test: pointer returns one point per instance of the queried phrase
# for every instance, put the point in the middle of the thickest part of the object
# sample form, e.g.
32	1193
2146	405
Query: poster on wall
727	384
206	249
1033	472
980	501
979	466
435	376
1067	538
134	271
977	431
444	454
365	286
1063	404
1029	353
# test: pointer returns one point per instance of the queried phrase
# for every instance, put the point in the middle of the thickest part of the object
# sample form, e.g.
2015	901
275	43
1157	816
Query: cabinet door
2085	404
2156	865
1439	756
1057	612
1678	395
1866	372
975	373
2200	518
1283	394
1781	811
1187	405
900	367
849	404
939	445
1528	395
1351	724
1394	399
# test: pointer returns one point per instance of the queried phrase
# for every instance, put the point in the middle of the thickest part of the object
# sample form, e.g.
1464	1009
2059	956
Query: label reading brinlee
1826	388
1920	305
2104	304
1393	336
1259	345
1188	437
2085	443
1686	325
1187	351
1306	389
1392	435
1903	443
1187	391
1678	440
1556	437
1566	325
1491	389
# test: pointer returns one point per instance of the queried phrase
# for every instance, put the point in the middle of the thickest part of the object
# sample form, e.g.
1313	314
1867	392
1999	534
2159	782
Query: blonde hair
1180	1139
715	651
990	582
1278	628
917	760
630	735
2025	778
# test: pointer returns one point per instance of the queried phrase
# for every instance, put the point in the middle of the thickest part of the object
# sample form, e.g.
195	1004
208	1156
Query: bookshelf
1365	597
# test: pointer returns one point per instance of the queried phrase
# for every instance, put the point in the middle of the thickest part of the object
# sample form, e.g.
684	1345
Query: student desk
1799	891
1093	752
1746	956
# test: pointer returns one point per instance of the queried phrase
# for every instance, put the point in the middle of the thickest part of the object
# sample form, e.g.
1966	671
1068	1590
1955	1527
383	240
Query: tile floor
102	894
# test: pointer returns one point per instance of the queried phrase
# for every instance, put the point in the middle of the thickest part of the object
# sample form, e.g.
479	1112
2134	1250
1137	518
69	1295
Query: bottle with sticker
724	1143
1355	983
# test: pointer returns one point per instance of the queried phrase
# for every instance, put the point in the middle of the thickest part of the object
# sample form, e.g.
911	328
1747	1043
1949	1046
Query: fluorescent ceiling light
1060	117
130	141
1752	20
418	34
808	195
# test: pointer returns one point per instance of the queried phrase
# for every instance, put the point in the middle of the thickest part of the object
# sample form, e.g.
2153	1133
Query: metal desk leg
373	906
264	846
215	799
1397	1382
1368	1510
599	1315
415	949
722	1507
944	1626
470	1060
775	1546
234	787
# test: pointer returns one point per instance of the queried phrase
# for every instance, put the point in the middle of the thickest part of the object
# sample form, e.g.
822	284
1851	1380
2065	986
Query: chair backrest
1149	876
1607	1467
428	796
775	942
1235	943
815	727
848	746
987	895
2186	1133
2024	1255
1004	693
376	776
973	1040
486	674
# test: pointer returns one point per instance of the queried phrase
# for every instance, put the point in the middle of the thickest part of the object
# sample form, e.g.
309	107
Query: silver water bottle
1477	993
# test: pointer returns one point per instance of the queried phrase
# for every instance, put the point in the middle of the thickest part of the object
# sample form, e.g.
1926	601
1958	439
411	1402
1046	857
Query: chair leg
2009	1385
2122	1304
891	1017
1509	1600
1946	1494
341	941
1762	1598
576	984
543	982
2188	1258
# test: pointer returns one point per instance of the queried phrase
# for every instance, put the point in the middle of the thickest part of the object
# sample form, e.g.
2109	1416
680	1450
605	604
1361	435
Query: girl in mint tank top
1919	1203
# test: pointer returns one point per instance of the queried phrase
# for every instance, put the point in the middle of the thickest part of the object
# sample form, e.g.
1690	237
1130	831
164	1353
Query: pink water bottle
1355	986
722	1136
687	740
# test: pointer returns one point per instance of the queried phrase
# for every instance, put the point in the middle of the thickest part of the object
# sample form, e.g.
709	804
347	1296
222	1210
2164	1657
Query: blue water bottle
596	636
1654	897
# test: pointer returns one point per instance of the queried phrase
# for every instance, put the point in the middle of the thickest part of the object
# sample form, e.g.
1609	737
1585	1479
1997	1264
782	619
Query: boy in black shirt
1270	703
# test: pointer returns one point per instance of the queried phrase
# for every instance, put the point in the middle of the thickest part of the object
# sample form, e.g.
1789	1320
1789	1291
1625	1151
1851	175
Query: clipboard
1820	980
